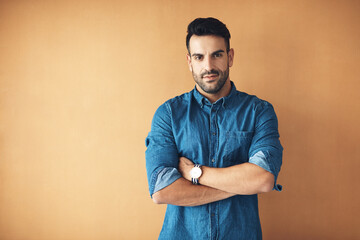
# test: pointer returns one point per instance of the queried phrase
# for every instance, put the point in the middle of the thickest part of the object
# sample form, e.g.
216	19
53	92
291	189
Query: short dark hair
208	26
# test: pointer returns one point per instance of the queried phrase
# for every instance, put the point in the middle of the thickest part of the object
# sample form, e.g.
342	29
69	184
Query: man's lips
211	76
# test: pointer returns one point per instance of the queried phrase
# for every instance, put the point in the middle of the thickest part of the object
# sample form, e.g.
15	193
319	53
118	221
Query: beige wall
80	81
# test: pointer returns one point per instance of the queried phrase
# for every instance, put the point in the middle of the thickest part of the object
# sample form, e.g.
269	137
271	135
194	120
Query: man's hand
185	166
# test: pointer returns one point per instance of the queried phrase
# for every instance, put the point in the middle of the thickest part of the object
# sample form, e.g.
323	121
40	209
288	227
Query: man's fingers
186	161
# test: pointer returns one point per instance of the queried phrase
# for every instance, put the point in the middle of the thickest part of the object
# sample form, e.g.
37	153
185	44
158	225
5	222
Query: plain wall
81	80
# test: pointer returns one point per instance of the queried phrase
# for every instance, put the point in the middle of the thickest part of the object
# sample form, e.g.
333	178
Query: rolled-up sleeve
266	150
162	156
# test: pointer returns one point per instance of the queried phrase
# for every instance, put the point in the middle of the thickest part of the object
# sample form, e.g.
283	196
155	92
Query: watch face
195	172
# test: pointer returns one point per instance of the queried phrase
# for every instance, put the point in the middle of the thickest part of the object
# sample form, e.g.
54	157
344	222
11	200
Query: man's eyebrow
197	54
200	54
218	51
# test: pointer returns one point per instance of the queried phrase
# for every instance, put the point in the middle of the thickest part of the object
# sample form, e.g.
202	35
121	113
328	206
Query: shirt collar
203	100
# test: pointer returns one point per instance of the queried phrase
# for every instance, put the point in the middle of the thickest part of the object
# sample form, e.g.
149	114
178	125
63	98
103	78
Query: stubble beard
223	76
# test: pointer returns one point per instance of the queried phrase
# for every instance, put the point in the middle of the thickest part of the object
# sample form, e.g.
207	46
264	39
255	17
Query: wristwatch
195	174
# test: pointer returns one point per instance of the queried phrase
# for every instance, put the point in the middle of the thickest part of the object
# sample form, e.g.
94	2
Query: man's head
209	56
206	27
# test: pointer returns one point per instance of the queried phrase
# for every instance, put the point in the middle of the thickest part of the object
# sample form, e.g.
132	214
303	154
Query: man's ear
231	57
188	58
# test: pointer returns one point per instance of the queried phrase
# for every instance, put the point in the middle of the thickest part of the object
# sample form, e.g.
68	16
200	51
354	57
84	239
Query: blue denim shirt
235	129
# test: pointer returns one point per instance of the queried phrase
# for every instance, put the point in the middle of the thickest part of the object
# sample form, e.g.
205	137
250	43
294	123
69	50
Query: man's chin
210	86
211	83
211	90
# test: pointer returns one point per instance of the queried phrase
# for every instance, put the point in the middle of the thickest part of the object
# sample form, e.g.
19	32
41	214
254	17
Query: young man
212	150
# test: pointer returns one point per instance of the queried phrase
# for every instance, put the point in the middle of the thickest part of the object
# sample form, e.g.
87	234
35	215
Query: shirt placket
214	133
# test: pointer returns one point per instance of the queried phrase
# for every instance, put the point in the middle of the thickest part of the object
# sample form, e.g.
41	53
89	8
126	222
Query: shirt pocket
237	145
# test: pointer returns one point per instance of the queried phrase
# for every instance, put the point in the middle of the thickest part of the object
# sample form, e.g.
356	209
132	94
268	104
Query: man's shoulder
177	102
182	99
250	100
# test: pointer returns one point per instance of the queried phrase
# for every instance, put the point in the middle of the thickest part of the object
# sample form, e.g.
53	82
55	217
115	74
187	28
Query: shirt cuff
165	177
259	159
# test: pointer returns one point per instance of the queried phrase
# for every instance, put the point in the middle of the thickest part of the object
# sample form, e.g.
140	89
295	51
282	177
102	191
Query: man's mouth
210	76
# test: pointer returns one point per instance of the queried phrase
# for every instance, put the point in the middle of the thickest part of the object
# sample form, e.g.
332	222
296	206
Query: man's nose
208	64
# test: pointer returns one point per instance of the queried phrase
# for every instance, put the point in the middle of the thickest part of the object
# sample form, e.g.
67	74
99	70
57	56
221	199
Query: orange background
81	80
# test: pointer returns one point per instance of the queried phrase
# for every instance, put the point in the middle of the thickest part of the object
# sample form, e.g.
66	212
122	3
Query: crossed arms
216	184
258	175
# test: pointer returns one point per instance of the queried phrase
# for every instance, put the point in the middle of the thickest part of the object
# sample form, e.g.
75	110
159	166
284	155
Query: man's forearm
184	193
244	179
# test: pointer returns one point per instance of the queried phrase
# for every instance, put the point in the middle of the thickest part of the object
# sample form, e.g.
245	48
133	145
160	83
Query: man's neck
213	97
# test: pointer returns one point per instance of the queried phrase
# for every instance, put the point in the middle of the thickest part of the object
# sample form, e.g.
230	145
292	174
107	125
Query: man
212	150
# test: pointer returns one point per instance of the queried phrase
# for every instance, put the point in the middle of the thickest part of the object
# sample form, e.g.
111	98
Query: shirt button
214	133
212	214
213	160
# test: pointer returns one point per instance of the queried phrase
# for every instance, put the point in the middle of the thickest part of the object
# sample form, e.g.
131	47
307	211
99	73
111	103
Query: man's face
209	62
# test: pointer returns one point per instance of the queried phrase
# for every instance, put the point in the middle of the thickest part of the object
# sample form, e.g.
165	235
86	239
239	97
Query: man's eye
217	55
198	57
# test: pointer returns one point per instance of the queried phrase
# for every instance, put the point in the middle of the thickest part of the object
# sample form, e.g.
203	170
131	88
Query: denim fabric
235	129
